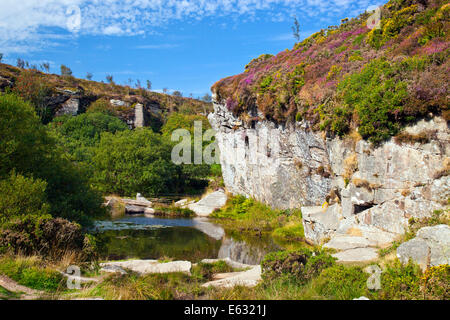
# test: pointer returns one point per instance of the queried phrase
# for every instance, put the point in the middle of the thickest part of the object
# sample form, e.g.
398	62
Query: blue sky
180	45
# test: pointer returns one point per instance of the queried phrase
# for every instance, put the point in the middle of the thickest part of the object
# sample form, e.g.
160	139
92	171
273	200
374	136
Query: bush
101	105
80	135
302	264
42	235
341	282
377	98
27	148
401	282
22	196
135	161
33	88
436	282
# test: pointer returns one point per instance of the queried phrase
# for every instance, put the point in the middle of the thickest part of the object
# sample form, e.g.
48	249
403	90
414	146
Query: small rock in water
130	209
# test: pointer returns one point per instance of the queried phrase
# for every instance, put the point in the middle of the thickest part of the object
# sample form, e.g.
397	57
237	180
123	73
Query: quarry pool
142	237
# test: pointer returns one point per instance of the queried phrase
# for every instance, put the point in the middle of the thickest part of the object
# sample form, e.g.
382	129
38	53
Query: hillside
53	95
350	76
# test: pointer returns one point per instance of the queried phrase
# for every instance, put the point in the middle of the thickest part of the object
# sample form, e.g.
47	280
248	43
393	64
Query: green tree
135	161
80	135
28	149
21	196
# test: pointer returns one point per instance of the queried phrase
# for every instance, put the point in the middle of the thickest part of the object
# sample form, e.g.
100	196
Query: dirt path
24	292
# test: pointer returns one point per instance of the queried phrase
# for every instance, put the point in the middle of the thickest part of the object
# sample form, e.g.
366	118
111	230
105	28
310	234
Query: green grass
7	295
248	215
31	273
173	211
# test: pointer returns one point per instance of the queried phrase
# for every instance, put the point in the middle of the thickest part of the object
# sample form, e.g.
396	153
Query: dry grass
361	183
409	138
445	171
350	166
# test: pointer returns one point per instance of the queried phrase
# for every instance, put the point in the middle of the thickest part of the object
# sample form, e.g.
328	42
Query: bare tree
65	71
149	85
20	63
45	66
138	84
296	29
109	78
207	98
165	90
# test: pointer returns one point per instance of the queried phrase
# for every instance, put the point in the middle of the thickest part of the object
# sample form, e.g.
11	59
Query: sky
184	45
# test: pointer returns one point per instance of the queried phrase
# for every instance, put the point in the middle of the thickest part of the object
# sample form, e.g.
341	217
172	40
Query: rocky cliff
346	186
351	124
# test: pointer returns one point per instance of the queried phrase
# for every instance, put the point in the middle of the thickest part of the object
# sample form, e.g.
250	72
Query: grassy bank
250	216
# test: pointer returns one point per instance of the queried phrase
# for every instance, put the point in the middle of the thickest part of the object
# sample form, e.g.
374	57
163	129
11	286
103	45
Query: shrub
342	282
436	282
27	148
401	282
33	88
41	235
101	105
376	98
302	264
135	161
20	196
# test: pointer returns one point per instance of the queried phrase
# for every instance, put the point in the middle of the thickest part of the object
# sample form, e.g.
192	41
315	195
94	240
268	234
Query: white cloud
158	46
30	24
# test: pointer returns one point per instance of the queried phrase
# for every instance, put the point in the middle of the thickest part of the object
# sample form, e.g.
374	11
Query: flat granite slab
147	266
248	278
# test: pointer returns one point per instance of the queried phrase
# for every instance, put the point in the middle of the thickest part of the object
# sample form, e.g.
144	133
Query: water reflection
143	237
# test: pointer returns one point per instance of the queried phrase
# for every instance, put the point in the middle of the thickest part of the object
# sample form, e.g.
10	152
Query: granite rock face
346	187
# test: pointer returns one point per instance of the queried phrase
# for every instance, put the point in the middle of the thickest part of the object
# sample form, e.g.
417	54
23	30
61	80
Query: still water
194	239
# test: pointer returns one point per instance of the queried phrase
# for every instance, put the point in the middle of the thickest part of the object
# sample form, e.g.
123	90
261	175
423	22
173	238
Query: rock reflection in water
186	239
244	252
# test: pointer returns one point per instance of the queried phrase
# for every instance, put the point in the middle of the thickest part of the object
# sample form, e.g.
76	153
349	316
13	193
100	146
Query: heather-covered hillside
49	92
351	76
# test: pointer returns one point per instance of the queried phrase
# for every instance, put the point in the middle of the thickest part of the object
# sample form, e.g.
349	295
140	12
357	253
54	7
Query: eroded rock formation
347	187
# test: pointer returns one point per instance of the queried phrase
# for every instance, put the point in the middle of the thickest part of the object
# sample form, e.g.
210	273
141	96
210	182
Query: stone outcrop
346	187
431	247
140	205
209	203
